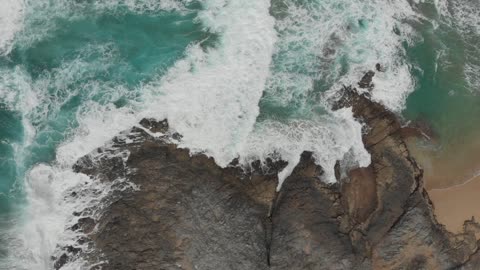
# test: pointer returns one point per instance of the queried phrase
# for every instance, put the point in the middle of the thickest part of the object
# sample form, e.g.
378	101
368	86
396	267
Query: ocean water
446	68
237	78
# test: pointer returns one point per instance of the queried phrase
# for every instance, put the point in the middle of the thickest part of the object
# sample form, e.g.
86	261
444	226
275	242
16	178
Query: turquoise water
72	59
87	58
445	97
12	132
94	57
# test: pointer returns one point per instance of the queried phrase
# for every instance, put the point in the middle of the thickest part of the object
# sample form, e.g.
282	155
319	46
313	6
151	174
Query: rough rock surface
190	214
366	81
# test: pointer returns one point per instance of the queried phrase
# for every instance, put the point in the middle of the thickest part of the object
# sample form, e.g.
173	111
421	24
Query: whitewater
236	78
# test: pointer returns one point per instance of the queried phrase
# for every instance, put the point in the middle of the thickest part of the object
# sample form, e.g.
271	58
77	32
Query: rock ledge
188	213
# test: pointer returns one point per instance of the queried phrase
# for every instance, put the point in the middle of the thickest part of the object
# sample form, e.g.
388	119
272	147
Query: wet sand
456	204
448	166
452	179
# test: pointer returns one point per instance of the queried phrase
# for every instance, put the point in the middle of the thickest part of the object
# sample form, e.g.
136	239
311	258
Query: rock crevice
188	213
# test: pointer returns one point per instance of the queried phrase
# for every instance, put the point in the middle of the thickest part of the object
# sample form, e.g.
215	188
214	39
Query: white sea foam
11	21
472	75
66	7
97	125
16	90
142	6
36	237
50	212
231	76
462	13
467	16
211	97
42	227
321	37
332	137
463	16
333	43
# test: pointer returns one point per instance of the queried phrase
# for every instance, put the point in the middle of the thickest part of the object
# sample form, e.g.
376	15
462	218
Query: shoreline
452	179
446	166
186	199
455	205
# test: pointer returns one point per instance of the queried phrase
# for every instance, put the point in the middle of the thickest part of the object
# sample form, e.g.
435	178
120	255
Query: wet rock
85	224
306	231
366	81
73	250
155	126
188	214
60	262
401	232
359	194
177	136
337	170
191	214
380	68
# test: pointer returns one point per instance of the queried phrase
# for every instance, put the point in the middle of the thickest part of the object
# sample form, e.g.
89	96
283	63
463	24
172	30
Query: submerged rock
188	213
60	262
366	81
380	68
85	224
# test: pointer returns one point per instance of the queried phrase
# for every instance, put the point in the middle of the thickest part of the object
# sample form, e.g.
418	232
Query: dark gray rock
366	81
60	262
85	224
188	213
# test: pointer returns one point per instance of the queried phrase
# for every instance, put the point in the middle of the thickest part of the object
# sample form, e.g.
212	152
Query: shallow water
238	78
101	57
447	93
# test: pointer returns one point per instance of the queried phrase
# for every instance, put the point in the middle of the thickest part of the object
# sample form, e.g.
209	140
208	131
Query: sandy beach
452	179
456	204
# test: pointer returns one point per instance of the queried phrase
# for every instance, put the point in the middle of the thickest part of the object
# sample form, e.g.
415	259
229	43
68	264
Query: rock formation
188	213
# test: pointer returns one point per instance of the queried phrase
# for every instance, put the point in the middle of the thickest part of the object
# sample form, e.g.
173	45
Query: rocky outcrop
366	81
188	213
401	233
